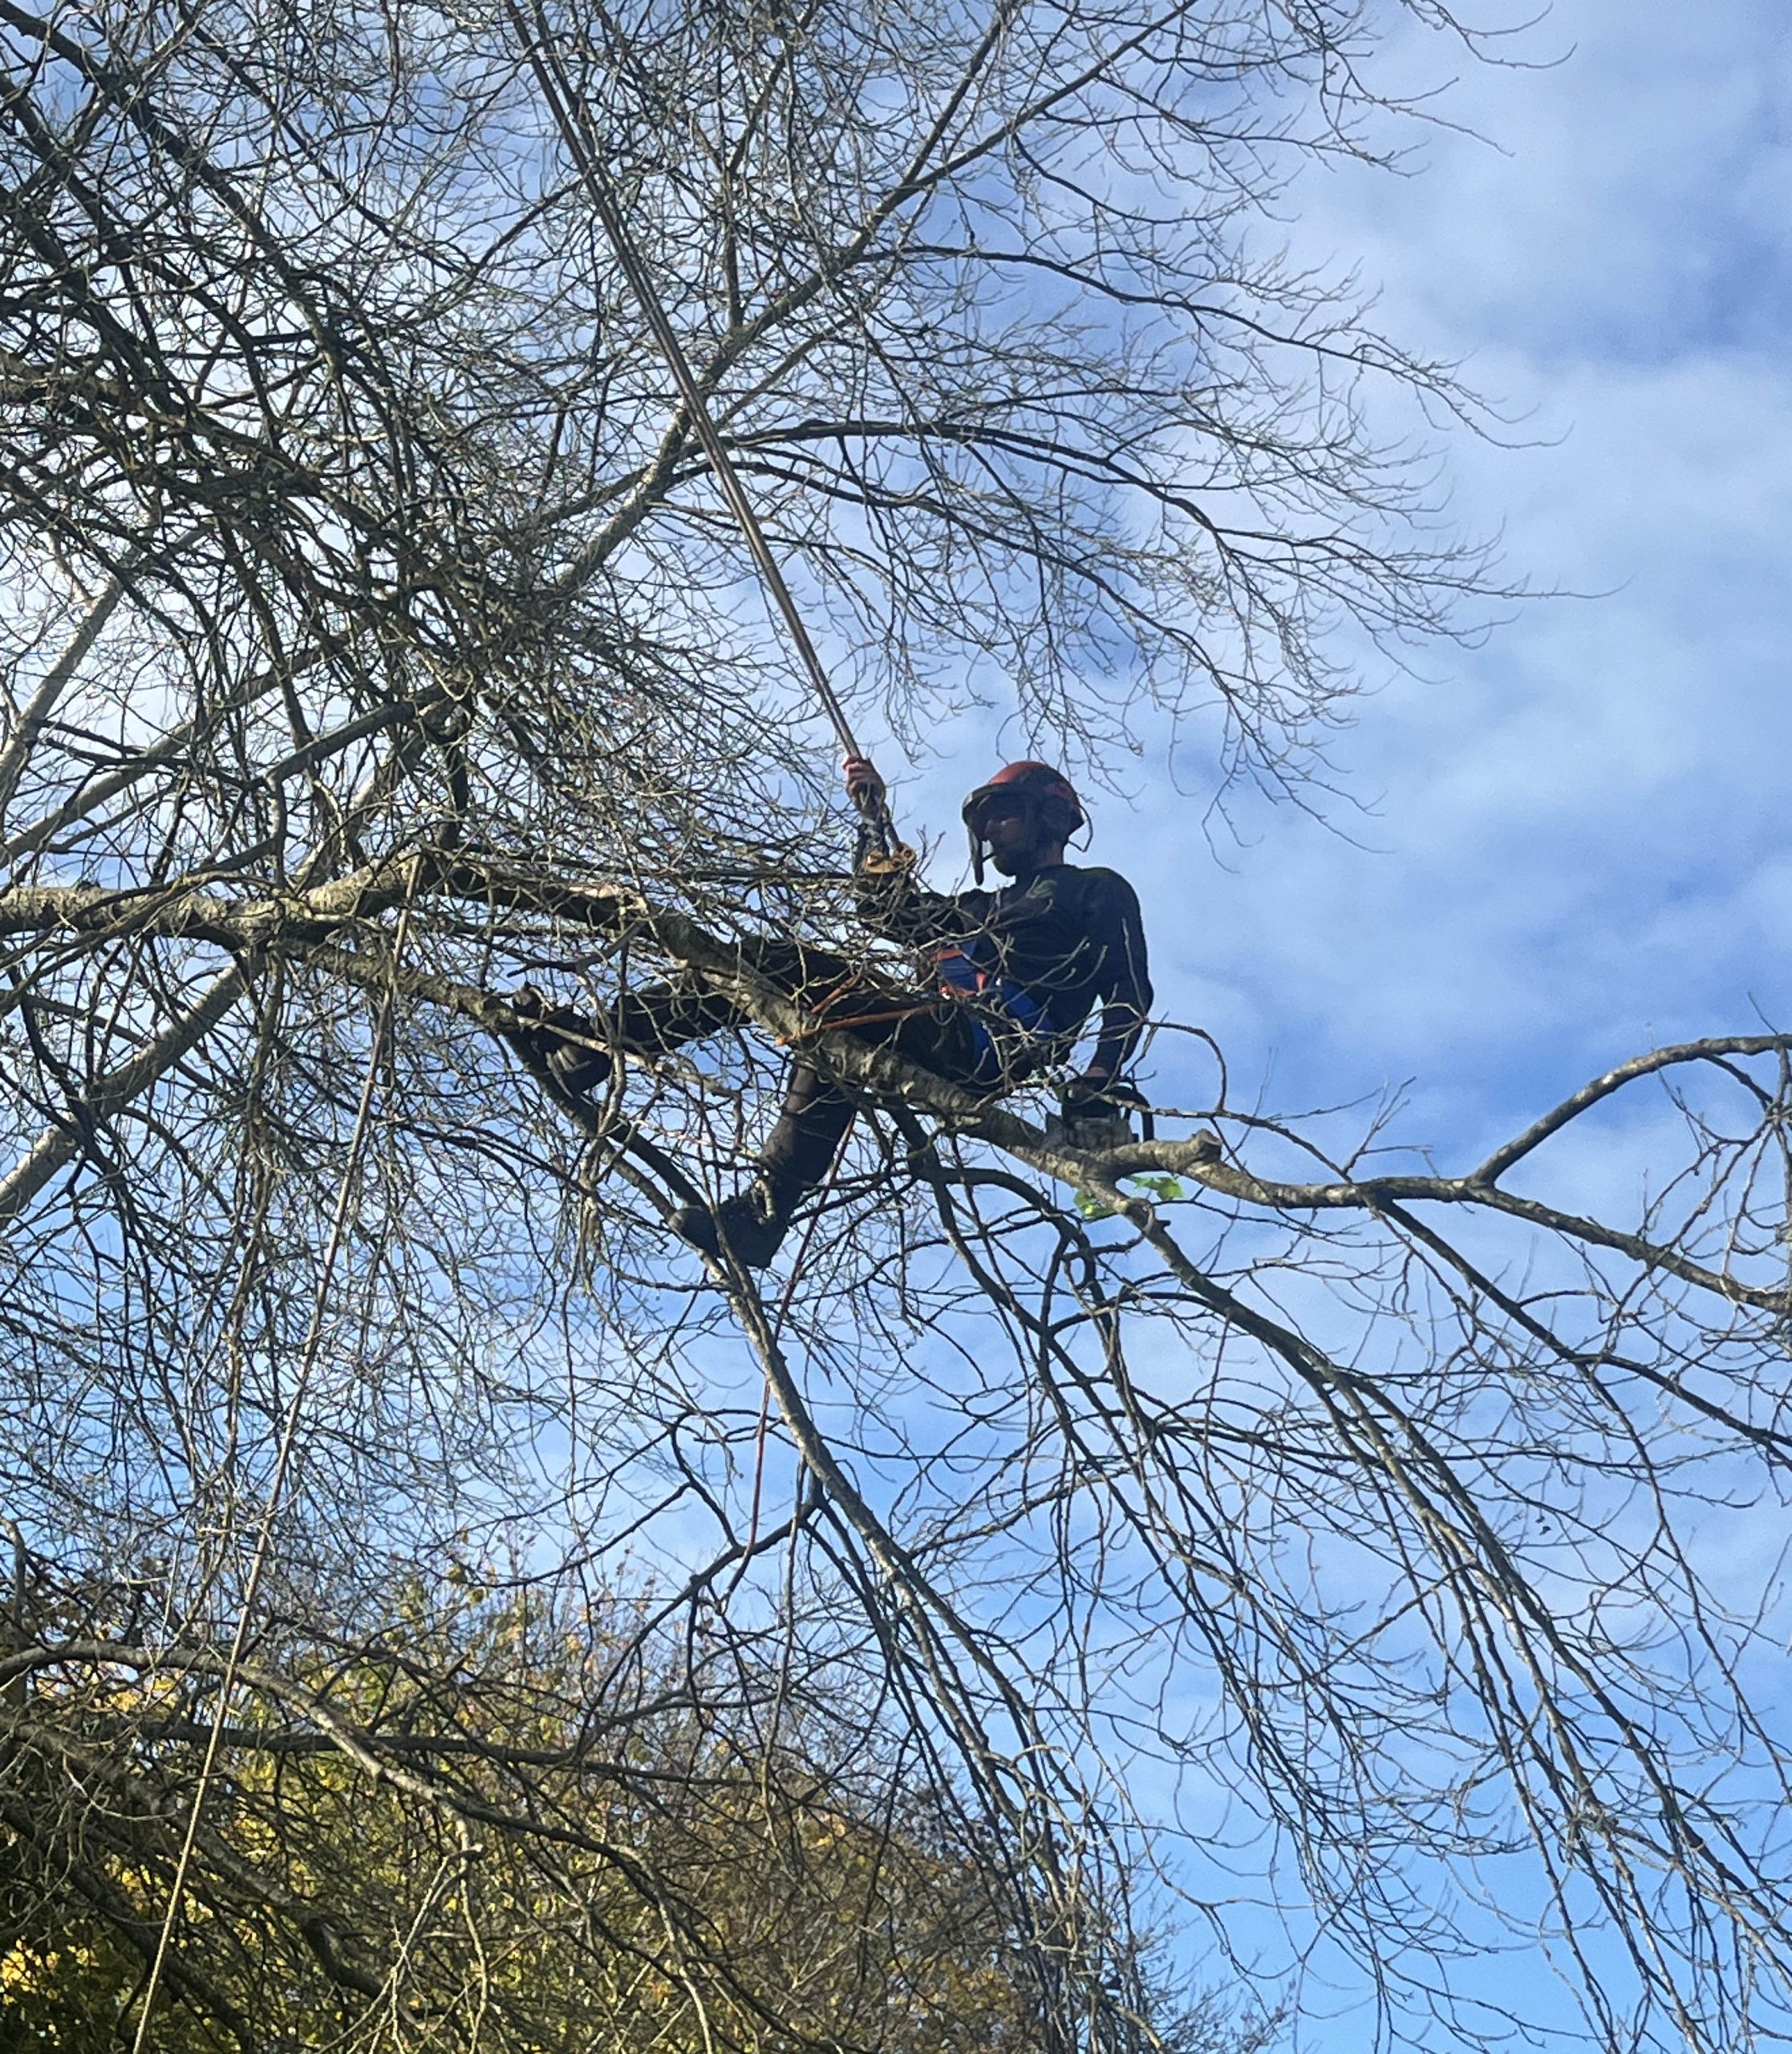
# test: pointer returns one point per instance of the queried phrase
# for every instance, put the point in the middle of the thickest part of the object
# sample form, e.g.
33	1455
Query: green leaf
1164	1189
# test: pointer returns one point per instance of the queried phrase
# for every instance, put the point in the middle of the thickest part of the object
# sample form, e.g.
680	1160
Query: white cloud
1576	844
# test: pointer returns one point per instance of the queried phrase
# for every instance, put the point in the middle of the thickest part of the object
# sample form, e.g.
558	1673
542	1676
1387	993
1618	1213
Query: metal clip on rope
880	853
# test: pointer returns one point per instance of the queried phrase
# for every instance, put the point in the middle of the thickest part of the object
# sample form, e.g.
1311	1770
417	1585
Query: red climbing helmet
1048	795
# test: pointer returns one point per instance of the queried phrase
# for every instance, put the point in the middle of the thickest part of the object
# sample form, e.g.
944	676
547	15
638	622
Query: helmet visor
990	802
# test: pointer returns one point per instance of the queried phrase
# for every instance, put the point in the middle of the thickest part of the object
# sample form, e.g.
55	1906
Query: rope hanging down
574	131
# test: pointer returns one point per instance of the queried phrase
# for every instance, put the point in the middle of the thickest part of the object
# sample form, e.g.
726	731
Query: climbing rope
572	116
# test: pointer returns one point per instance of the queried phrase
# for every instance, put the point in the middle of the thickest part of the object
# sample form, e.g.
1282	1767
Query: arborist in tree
1015	975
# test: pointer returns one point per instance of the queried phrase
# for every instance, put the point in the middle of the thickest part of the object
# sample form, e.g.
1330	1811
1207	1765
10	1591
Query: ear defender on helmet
1048	796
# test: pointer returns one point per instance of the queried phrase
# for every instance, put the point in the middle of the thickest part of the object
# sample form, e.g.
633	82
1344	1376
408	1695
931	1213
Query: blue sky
1575	845
1579	844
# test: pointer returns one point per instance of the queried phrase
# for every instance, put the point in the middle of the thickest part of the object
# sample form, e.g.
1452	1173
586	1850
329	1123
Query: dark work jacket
1071	938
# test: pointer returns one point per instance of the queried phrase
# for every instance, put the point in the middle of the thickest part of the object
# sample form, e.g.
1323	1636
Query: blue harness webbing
960	973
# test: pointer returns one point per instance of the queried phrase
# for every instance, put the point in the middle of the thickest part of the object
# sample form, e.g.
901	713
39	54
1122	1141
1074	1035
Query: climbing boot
751	1226
581	1072
559	1037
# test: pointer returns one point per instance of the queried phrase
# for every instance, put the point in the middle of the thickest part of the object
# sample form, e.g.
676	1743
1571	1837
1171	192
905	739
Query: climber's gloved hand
864	786
880	854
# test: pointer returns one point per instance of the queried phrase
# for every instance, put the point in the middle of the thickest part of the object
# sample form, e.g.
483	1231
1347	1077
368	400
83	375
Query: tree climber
1015	973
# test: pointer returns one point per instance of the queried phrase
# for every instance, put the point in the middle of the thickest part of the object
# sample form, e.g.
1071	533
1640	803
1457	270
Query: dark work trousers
939	1033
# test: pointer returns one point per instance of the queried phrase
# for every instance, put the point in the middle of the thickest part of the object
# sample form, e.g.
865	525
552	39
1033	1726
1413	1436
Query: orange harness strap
950	990
823	1023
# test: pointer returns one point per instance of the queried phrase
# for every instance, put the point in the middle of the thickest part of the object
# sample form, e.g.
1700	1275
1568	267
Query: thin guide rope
574	131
